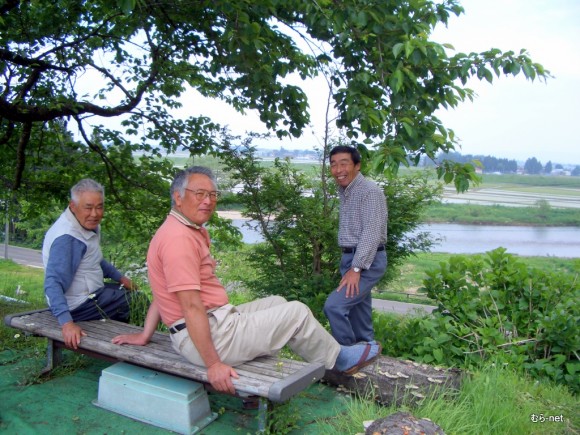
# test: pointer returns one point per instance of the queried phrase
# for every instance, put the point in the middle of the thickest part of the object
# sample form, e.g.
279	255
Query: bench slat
276	379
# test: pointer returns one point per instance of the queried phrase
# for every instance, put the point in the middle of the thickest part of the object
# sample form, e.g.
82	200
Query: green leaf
409	49
126	6
397	48
396	80
515	68
529	71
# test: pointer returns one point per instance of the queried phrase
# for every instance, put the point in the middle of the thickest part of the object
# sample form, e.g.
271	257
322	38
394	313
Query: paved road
401	307
32	257
28	257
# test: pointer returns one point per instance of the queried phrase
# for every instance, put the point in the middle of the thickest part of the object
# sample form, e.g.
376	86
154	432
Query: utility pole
6	231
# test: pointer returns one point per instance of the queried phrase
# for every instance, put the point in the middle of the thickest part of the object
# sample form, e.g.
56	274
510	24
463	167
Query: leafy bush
495	307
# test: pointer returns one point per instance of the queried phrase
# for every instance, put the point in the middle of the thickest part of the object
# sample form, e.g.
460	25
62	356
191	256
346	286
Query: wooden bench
270	379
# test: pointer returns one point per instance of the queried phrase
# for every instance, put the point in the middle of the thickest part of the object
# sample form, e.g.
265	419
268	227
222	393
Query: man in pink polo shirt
205	328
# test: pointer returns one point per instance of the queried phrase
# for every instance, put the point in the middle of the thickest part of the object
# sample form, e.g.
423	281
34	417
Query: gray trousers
109	302
260	328
351	318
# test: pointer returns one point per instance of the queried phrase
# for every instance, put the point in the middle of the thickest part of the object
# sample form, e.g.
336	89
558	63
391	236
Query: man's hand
138	339
127	283
72	333
350	280
220	376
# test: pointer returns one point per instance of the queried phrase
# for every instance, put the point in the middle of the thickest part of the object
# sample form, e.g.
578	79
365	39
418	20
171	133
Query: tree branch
21	155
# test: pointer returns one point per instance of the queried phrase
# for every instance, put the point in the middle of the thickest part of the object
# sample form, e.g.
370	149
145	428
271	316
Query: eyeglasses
201	194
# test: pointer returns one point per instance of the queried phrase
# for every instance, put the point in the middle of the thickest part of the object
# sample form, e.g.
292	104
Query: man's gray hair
85	185
182	178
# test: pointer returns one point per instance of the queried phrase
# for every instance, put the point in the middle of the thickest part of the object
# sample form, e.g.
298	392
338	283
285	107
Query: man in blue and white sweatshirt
75	268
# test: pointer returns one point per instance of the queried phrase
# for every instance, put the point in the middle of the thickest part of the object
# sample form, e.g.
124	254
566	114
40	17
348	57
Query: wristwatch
356	269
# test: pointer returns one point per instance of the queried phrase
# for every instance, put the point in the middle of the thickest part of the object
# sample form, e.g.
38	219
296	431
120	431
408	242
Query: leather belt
351	250
176	328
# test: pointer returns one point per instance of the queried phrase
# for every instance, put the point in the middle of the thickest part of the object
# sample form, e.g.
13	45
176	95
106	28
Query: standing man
362	234
75	267
205	328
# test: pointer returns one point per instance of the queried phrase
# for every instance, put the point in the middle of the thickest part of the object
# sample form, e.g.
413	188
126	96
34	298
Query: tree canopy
67	65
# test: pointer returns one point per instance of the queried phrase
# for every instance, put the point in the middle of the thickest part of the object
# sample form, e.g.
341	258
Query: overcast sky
513	118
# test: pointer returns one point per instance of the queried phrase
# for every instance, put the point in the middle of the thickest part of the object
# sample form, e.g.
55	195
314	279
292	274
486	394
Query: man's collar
356	180
86	232
183	219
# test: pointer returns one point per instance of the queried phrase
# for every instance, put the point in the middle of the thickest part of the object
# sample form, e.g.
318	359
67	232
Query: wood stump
394	381
403	423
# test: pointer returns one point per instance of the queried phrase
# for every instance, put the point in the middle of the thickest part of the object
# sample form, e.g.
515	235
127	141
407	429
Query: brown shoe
363	361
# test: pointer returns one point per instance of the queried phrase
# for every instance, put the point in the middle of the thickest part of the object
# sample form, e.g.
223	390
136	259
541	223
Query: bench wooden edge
288	387
8	317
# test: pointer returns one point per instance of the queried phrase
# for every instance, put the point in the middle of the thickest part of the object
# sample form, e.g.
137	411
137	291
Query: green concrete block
156	398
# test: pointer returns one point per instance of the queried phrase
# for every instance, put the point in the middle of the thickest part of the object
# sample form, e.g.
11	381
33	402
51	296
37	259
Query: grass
512	180
30	297
495	400
502	215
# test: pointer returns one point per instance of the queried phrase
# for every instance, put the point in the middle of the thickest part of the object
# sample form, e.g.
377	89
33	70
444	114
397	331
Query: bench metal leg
264	408
53	357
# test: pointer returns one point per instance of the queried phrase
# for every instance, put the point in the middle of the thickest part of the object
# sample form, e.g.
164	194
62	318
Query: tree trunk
393	381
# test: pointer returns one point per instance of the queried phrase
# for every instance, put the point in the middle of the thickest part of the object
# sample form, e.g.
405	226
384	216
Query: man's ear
177	198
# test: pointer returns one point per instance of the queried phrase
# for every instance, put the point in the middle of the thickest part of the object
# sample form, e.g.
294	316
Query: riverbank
231	214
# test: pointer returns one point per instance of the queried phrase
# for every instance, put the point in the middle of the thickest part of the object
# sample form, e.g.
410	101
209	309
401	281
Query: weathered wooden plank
272	377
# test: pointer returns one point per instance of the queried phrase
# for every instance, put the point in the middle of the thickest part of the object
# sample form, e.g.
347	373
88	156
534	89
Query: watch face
356	269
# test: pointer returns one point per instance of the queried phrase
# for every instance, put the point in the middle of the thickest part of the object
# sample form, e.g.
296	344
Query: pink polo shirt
179	259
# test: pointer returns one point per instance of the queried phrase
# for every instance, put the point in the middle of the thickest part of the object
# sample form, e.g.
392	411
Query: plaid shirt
362	220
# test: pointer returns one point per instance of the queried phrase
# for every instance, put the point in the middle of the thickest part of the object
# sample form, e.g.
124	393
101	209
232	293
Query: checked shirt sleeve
373	232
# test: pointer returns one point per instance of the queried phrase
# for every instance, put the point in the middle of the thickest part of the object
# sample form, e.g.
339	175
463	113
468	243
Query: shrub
495	307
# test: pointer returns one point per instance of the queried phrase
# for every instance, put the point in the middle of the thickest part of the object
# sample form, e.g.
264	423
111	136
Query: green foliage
297	213
408	198
135	61
299	258
497	308
533	166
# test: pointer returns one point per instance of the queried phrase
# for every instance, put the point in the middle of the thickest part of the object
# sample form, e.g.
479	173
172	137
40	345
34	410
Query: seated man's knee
278	300
299	307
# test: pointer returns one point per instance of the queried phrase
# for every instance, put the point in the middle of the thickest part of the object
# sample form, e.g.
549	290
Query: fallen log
394	381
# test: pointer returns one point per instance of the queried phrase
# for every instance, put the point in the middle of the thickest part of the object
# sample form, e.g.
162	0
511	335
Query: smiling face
196	210
88	209
343	168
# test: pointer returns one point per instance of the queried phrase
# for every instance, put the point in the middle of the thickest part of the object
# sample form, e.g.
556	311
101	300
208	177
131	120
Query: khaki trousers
260	328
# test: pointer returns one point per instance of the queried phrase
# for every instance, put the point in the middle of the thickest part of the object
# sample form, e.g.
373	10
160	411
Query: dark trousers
351	318
110	302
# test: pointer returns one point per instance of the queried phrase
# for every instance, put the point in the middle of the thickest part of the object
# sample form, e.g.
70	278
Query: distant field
513	190
507	180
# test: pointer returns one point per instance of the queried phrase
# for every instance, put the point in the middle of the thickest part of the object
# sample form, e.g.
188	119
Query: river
474	239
